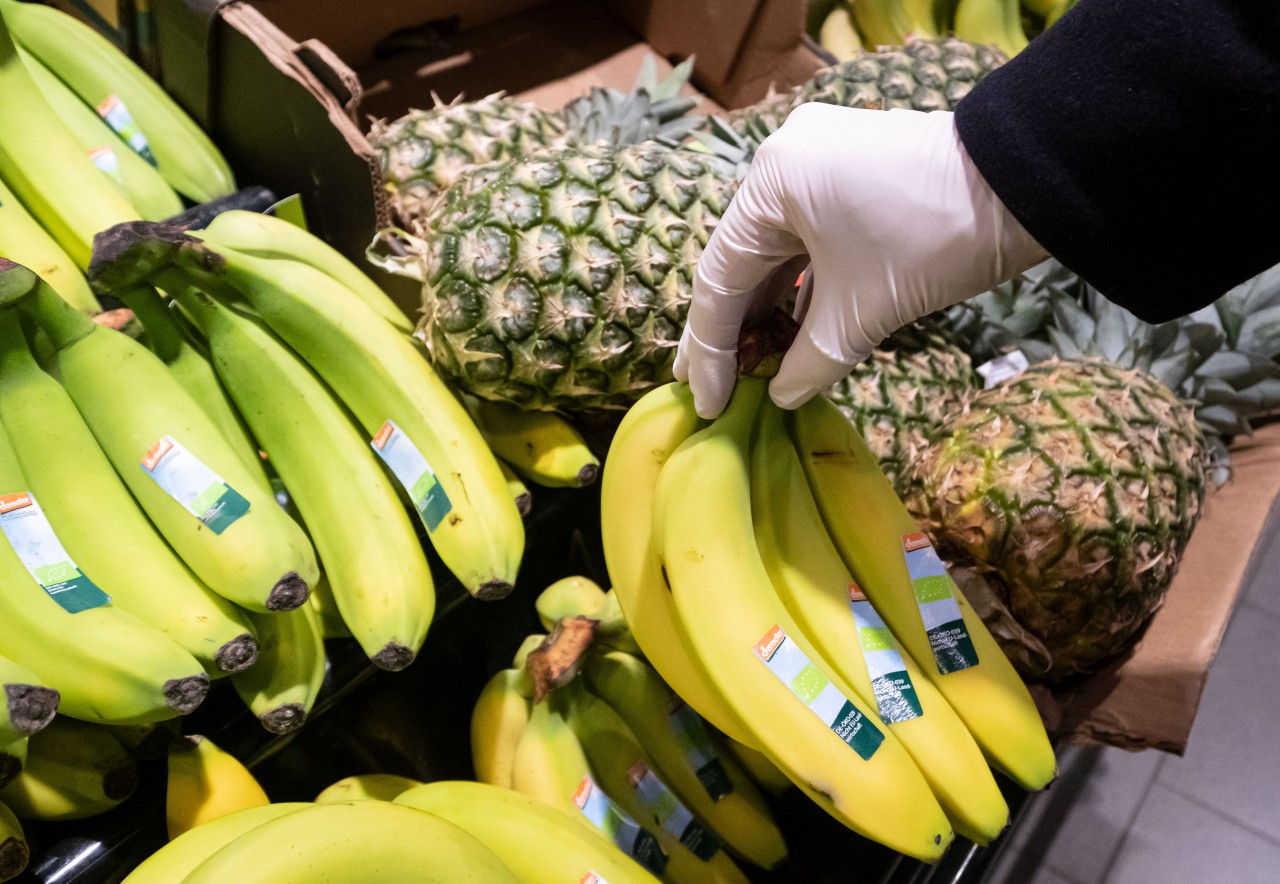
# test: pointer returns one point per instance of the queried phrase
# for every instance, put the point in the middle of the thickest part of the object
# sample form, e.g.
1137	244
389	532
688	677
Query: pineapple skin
561	280
1069	494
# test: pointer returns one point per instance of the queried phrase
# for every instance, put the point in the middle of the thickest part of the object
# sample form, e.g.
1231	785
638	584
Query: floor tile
1263	590
1232	762
1177	841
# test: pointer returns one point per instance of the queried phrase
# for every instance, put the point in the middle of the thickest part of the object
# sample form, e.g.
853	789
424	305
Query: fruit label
32	538
935	595
895	694
671	814
790	664
117	116
699	752
625	832
186	479
592	877
106	160
414	473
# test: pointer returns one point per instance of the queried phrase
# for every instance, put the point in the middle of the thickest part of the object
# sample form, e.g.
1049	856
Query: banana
801	715
519	491
538	844
838	34
138	180
684	755
383	377
994	22
548	763
210	508
868	524
281	688
266	236
498	719
27	705
12	759
816	587
99	72
762	771
571	596
371	787
922	18
542	446
205	782
354	842
23	240
40	160
128	560
149	741
174	860
651	429
623	770
324	604
375	564
613	630
527	645
74	770
14	852
881	22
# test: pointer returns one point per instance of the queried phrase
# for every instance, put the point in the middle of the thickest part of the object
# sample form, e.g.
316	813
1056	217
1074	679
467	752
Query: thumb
821	354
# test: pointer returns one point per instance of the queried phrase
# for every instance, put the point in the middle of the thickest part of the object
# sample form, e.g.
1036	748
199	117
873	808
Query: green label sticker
806	681
413	473
699	752
671	814
896	697
935	594
28	531
117	116
625	832
186	479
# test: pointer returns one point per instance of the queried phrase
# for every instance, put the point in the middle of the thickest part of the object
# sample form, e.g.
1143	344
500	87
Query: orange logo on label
107	104
158	451
583	792
383	435
589	878
914	541
767	645
11	502
637	772
856	594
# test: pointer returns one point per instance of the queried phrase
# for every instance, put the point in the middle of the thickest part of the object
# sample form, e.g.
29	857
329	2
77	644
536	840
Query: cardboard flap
714	32
185	57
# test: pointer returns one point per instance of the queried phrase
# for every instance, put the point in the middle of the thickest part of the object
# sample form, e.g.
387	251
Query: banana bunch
779	585
72	770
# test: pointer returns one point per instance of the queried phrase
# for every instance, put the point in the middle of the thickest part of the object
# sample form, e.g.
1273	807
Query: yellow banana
868	524
613	630
372	787
542	446
838	34
14	852
281	688
648	433
816	588
323	602
519	491
354	842
26	706
73	770
992	22
498	719
98	71
375	564
881	22
538	844
23	240
548	763
685	755
204	782
572	596
761	770
801	715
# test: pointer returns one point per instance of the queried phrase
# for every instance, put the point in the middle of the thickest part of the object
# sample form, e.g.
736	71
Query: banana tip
238	654
393	657
184	694
14	856
284	719
290	592
492	590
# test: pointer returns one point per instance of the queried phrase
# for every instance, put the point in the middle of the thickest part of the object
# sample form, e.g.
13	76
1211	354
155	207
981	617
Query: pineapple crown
654	109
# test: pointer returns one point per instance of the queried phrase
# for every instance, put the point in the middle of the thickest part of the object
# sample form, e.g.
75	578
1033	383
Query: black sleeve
1139	142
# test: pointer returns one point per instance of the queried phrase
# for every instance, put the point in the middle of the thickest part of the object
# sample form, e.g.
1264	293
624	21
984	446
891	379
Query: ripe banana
266	236
74	770
23	240
571	596
98	71
41	162
816	588
542	446
176	462
686	757
613	631
651	429
174	860
322	600
27	706
868	524
548	763
993	22
375	564
14	852
354	842
838	34
128	559
519	491
498	719
799	712
12	759
205	782
881	22
383	377
281	688
923	18
538	844
372	787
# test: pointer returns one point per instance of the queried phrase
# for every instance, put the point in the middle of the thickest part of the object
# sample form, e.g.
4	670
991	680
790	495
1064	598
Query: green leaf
1260	332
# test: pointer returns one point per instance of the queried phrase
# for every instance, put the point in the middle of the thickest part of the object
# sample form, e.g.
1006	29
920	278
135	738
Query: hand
892	215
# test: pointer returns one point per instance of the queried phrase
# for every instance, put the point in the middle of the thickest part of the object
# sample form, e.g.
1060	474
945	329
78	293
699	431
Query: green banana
128	559
992	22
74	770
498	718
27	705
375	564
881	22
230	532
519	491
572	596
281	689
369	787
23	240
12	759
96	70
14	852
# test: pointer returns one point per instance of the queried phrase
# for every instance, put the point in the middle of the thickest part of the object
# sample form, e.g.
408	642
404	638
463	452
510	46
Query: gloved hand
895	220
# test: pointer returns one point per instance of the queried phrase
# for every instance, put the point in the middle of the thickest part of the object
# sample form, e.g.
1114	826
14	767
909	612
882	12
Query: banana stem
63	323
16	282
165	336
15	352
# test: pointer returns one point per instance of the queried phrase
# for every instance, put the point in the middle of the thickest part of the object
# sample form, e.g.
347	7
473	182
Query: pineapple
561	280
1069	494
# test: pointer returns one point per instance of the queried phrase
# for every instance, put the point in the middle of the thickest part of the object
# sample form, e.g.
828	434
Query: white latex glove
895	220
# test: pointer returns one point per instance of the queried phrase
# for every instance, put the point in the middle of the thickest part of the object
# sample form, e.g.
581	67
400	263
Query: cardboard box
288	88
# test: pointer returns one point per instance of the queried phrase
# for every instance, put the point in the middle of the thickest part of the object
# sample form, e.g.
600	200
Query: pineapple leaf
1073	322
1239	369
1064	344
1260	332
1112	333
1263	397
1222	419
